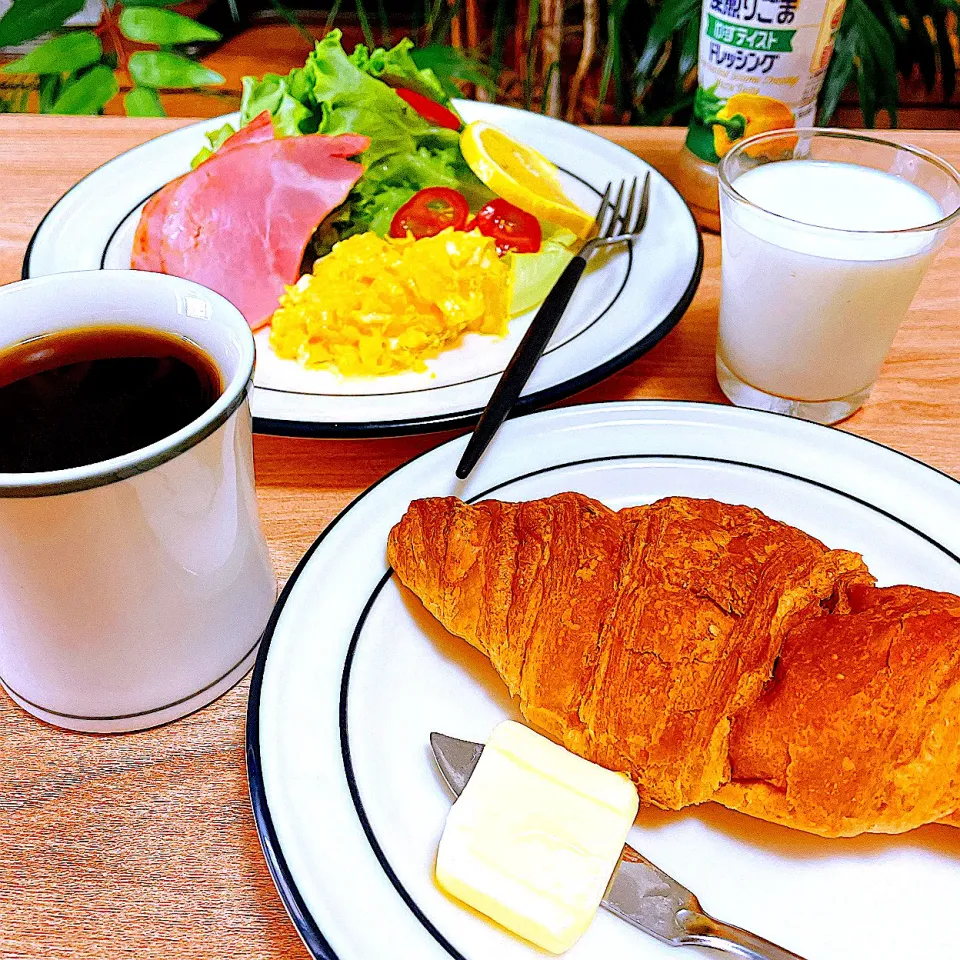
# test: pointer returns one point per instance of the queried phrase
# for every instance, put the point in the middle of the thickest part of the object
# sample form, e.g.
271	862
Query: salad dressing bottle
761	67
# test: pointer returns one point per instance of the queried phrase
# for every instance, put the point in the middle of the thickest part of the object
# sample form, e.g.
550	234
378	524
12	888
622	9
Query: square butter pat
535	836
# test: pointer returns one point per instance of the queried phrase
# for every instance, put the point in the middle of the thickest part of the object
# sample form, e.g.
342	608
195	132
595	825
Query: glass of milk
826	236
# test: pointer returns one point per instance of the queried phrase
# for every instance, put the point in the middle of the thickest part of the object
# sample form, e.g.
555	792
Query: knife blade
639	892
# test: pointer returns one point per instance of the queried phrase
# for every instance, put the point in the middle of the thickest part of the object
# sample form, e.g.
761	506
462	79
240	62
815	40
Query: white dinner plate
626	302
353	675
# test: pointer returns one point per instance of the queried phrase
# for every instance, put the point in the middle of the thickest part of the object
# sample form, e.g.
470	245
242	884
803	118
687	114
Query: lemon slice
521	175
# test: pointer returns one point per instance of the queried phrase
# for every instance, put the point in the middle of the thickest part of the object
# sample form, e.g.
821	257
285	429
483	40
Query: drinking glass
808	310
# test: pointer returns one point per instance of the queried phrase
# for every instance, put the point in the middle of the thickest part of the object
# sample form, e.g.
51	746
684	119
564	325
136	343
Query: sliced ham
146	240
239	223
260	128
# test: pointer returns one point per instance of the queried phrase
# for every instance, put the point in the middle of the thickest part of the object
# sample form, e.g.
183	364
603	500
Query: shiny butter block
535	836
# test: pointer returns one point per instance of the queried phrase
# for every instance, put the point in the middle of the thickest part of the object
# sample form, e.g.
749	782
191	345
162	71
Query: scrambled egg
375	306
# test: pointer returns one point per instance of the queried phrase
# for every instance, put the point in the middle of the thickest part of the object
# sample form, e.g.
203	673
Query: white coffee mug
134	590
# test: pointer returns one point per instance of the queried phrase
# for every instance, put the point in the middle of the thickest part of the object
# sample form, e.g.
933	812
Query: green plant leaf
880	55
162	27
661	114
50	86
143	102
365	25
65	54
888	14
440	19
294	21
332	15
87	93
921	49
159	70
948	66
838	76
29	19
449	64
866	85
689	49
15	100
431	16
875	65
866	51
610	71
671	18
533	18
554	68
498	38
384	18
149	3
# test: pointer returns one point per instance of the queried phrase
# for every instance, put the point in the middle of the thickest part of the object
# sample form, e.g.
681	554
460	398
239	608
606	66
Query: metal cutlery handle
515	376
700	929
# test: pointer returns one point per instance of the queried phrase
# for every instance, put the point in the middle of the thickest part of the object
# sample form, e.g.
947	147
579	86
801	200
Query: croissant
707	651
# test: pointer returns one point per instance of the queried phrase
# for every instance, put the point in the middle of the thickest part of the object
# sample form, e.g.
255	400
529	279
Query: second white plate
353	675
623	306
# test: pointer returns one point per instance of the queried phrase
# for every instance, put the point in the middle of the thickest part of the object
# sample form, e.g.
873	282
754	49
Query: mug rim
43	483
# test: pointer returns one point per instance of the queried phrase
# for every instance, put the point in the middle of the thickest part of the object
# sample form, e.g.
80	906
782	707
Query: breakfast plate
353	675
622	307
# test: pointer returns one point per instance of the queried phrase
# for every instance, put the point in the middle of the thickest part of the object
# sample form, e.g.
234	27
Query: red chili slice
430	110
512	228
429	211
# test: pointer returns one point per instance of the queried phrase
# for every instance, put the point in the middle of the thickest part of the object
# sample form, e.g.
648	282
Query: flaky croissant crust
707	651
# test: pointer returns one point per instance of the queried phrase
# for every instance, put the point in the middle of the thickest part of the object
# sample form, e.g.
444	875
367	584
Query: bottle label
762	63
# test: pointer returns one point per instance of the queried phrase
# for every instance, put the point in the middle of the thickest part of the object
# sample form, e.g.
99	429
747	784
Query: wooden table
144	845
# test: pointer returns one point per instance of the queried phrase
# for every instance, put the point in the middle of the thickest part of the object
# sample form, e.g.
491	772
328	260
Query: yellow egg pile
379	306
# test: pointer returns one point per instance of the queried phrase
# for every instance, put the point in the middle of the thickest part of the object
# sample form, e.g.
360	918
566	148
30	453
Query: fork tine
617	212
644	205
602	209
628	208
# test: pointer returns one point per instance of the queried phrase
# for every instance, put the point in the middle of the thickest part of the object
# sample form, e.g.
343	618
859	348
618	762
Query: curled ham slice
239	223
146	241
260	128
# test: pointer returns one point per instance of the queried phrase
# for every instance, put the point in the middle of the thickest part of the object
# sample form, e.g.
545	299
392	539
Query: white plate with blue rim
620	310
353	675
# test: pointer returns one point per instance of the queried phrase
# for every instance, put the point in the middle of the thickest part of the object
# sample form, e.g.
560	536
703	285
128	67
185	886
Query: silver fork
628	218
617	221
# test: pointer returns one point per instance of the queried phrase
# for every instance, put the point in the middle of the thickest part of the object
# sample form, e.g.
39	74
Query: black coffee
78	397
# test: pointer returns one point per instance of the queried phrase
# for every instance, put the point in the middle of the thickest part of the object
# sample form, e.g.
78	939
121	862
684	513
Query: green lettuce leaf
396	68
273	93
334	93
215	138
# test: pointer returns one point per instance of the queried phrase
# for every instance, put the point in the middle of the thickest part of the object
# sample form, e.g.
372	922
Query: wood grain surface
144	845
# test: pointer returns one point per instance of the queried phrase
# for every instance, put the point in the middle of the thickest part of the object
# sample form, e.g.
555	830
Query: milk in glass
808	313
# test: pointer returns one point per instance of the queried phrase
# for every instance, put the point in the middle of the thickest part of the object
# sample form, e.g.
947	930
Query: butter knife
639	891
